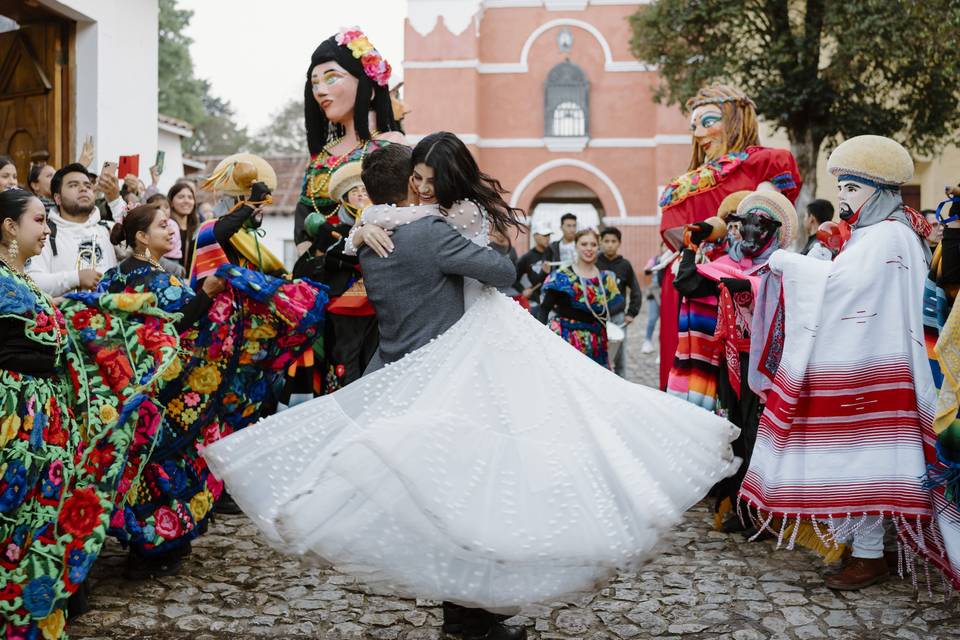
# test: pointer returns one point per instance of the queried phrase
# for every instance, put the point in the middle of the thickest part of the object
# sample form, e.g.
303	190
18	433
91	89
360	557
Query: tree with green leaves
819	69
286	133
184	96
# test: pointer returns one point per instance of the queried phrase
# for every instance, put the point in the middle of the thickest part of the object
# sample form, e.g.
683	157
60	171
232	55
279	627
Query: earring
14	249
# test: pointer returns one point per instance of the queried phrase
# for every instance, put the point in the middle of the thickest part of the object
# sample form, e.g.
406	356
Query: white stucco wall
277	229
115	65
168	141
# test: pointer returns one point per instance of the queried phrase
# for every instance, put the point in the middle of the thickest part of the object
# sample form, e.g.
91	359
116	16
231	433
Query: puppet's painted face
852	196
706	123
335	90
757	229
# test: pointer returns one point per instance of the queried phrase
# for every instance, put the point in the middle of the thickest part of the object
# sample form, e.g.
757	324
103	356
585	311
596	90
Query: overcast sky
255	53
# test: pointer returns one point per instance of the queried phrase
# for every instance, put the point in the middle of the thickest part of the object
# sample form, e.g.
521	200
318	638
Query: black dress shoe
453	618
143	567
78	603
483	625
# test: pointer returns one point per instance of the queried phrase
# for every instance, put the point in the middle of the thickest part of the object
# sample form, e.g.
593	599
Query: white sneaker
647	347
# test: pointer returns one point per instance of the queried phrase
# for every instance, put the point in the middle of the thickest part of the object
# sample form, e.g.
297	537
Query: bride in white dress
494	467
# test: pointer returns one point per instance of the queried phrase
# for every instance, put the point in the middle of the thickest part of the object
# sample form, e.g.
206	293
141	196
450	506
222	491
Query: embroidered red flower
81	319
152	337
81	513
166	523
115	368
44	323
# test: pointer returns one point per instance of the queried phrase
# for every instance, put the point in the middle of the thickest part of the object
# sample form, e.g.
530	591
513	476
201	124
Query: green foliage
286	134
820	69
180	94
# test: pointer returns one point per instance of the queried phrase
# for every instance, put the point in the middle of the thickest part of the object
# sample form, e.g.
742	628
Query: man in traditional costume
839	356
711	365
727	157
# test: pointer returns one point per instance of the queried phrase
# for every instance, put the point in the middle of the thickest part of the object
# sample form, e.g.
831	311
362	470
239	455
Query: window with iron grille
566	102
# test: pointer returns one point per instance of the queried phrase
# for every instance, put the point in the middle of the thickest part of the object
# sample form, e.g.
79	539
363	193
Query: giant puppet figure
348	113
845	437
727	157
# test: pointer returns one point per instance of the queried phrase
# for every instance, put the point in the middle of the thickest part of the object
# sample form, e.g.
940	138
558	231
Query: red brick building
552	102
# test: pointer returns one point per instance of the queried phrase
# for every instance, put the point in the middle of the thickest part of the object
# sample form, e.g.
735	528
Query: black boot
78	603
141	567
226	506
483	625
453	618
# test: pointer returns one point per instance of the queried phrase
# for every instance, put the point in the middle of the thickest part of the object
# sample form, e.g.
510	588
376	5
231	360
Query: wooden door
34	94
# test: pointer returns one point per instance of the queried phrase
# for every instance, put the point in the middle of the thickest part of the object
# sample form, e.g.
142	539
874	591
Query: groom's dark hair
386	173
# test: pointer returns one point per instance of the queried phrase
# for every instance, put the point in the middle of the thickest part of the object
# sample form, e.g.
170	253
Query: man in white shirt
79	250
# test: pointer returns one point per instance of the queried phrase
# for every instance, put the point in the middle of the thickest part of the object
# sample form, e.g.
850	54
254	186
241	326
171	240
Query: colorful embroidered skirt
589	338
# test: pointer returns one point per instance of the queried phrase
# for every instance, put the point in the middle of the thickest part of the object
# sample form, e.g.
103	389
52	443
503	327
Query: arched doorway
562	197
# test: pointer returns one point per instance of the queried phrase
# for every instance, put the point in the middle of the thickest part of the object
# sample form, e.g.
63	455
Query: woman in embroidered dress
583	299
60	476
484	468
170	504
727	157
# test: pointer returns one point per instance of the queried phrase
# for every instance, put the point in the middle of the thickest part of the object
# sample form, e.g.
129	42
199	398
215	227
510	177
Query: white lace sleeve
464	216
388	216
470	220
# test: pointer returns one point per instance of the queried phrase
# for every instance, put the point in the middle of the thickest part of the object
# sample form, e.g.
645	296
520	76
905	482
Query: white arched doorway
560	198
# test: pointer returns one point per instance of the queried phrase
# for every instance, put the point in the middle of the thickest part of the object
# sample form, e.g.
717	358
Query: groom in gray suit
417	290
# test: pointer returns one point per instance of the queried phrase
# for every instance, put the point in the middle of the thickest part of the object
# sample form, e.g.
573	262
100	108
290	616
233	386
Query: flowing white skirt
494	467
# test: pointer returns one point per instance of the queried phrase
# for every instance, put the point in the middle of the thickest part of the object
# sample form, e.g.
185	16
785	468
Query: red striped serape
850	404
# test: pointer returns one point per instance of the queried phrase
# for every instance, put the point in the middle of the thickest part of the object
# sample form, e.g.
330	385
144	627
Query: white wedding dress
494	467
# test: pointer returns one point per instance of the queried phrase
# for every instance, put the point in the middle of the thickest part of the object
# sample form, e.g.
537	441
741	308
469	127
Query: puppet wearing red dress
727	157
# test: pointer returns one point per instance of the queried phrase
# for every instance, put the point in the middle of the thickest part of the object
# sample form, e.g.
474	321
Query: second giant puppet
727	157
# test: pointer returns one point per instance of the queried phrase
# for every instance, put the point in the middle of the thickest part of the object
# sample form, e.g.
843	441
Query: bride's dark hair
317	125
458	177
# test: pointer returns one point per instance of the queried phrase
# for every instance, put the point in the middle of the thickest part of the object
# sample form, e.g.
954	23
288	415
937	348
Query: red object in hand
129	165
830	234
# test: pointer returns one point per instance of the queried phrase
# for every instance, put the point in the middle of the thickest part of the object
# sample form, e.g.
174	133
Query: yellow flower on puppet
375	65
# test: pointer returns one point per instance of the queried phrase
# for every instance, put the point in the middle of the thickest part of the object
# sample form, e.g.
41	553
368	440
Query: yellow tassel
807	537
725	507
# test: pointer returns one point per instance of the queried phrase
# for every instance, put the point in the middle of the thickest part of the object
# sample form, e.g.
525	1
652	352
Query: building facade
551	101
76	68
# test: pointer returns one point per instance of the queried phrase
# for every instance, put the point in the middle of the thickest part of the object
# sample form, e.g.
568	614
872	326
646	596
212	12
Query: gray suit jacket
418	290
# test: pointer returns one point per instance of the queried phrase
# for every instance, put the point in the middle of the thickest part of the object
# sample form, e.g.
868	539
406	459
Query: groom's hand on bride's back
376	238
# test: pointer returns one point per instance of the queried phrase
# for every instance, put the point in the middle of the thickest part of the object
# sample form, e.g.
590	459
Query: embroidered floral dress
233	353
69	413
169	503
582	307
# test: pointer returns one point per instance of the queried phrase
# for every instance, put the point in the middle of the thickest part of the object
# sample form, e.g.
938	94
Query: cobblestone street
700	584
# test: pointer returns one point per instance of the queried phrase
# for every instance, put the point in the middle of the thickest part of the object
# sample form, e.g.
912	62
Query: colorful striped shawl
696	365
209	255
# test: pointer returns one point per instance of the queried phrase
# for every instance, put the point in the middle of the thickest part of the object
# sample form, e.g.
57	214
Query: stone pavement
699	584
